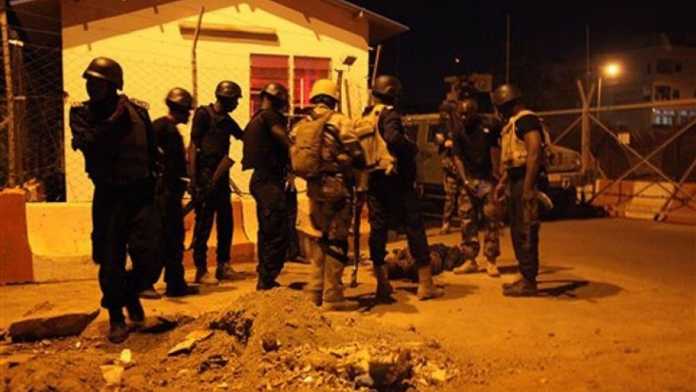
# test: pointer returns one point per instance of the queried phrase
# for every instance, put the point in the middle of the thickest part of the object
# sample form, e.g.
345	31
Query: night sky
475	32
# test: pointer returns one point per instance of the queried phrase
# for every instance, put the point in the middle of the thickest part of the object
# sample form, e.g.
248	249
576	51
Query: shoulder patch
140	103
78	104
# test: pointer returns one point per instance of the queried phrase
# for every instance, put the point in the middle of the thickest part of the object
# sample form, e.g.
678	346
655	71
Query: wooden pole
9	95
194	56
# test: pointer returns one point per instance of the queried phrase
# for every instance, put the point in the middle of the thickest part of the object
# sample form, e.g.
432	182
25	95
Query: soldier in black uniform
210	138
522	160
392	198
172	188
116	137
266	152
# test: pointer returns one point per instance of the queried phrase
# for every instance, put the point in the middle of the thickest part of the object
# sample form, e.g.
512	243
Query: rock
78	345
270	344
15	360
439	376
390	369
543	381
182	373
364	381
187	345
126	357
308	380
112	374
36	329
292	323
45	342
551	334
222	386
213	362
322	361
3	334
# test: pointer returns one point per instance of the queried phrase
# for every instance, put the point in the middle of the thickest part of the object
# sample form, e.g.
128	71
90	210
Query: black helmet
387	86
106	69
505	94
468	107
276	91
179	98
228	89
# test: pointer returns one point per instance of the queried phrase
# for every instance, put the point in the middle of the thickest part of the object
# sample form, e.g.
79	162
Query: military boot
118	330
521	288
136	313
426	287
384	289
315	287
205	278
492	268
333	300
224	271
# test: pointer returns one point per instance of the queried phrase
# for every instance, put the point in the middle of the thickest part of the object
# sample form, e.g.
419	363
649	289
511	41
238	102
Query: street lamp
609	71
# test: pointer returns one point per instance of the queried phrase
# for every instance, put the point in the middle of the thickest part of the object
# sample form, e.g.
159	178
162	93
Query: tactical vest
377	155
132	159
513	150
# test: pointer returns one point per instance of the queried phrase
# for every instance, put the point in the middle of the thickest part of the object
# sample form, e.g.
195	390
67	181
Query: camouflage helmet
276	91
325	87
179	98
387	86
106	69
505	94
228	89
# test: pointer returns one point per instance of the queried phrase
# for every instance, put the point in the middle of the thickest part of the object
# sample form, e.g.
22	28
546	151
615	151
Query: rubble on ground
274	340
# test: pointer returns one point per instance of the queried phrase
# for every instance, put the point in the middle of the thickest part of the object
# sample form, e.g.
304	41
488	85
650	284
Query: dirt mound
274	340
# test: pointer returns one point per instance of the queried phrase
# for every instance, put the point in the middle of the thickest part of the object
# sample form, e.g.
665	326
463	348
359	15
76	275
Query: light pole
610	71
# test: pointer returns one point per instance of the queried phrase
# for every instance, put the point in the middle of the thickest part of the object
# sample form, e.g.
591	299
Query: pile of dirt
274	340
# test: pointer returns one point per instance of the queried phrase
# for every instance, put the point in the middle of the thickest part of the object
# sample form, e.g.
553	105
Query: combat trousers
524	228
217	206
272	213
172	239
125	221
328	254
452	187
293	239
473	220
394	202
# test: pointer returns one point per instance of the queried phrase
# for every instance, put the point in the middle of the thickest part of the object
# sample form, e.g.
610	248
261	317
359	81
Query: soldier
329	192
210	137
523	172
476	154
116	137
451	182
170	142
266	152
393	198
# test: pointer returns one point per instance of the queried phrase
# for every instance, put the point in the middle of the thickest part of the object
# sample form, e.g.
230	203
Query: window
307	70
265	69
663	93
665	66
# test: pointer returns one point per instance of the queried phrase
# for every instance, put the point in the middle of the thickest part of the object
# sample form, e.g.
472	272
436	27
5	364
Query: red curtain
307	71
266	69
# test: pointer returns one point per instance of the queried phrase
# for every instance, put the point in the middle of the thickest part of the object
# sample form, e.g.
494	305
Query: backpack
305	150
377	155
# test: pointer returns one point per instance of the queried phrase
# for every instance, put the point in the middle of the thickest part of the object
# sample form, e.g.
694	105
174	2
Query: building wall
156	56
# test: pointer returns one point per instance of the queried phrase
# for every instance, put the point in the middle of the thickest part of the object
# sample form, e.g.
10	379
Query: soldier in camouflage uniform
476	155
330	201
450	182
